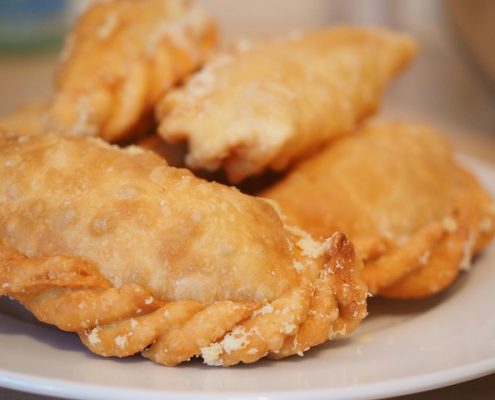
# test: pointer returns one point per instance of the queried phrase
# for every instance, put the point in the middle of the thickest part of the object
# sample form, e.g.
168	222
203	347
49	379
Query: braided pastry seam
389	268
436	255
466	231
116	101
71	294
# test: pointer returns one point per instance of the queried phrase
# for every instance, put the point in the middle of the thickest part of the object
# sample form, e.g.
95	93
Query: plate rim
395	387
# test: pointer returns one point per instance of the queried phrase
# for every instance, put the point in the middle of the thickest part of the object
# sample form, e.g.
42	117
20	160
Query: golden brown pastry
265	105
415	216
136	256
122	56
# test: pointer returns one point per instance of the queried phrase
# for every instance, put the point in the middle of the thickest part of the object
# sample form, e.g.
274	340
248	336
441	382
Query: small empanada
266	105
122	56
414	215
137	256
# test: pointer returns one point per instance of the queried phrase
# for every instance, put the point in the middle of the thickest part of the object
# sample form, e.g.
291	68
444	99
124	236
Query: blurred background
451	84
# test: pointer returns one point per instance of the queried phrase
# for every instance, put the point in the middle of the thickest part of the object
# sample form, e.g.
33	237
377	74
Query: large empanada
265	105
137	256
122	56
415	216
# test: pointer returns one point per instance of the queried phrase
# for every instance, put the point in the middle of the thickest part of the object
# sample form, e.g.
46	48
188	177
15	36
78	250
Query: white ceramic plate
403	347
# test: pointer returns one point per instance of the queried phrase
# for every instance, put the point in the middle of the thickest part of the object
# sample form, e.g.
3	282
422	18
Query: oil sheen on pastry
122	56
136	256
415	216
264	105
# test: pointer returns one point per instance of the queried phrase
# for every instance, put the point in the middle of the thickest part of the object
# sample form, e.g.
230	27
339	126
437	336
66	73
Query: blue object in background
31	25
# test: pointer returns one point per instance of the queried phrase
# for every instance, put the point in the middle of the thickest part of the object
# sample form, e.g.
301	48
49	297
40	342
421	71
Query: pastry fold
122	56
267	104
415	215
136	256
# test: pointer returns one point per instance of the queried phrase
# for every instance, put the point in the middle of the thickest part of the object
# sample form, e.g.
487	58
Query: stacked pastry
136	256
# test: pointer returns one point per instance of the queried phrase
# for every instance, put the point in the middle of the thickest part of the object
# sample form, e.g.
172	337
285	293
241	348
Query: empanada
122	56
266	105
137	256
414	215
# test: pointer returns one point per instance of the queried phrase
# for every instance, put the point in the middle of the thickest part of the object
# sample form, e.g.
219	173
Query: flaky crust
264	105
413	214
122	56
137	256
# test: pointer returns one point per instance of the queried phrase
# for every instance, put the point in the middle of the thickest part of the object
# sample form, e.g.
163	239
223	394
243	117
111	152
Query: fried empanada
122	56
137	256
266	105
414	215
